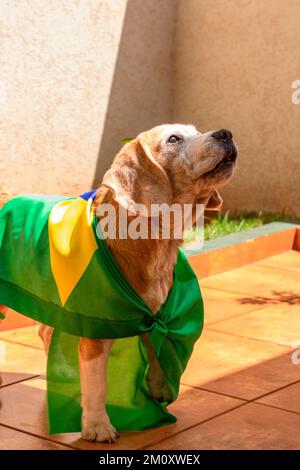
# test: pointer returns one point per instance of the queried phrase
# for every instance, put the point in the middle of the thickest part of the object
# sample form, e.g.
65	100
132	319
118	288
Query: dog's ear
211	203
214	202
136	178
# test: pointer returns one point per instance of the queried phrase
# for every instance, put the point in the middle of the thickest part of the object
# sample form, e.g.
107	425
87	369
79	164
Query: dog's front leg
93	360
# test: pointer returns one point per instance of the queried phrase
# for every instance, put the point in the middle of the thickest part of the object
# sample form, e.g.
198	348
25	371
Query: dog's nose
222	134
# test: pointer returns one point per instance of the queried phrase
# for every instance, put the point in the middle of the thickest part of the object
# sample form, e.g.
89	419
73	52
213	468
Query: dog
169	164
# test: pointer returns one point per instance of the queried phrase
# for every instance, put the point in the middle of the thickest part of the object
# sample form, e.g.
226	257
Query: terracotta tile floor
240	389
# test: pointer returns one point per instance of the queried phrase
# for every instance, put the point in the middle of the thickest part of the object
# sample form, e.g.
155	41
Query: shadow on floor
278	297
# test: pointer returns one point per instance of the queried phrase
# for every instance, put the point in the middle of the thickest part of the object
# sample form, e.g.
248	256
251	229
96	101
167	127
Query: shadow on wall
140	96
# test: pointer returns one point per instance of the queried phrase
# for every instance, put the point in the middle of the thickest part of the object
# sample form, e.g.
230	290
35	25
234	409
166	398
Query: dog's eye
174	139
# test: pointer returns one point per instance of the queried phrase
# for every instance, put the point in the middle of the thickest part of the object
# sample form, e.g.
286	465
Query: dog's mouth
228	161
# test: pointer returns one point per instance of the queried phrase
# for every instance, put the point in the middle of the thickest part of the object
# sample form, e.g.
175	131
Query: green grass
225	223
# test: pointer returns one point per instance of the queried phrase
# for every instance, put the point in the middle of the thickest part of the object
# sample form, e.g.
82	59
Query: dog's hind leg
45	333
156	380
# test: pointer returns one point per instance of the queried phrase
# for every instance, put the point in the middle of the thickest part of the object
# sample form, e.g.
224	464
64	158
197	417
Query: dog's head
173	163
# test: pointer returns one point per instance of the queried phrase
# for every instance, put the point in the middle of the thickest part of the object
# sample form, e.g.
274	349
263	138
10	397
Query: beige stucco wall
76	76
56	67
235	62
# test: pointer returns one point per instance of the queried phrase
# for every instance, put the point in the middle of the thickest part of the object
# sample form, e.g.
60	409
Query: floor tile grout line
280	269
278	408
20	344
219	289
271	268
195	425
249	337
37	435
254	400
19	381
194	387
227	291
233	291
251	400
263	307
277	390
233	316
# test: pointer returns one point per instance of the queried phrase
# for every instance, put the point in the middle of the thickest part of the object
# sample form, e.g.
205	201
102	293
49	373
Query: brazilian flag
56	270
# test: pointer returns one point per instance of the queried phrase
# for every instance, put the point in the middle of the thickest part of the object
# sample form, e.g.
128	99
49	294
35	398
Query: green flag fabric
56	270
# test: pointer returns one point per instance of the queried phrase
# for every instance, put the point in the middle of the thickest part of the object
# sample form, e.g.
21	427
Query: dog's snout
222	134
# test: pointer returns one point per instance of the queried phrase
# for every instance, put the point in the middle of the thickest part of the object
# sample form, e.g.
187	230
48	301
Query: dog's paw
160	391
100	431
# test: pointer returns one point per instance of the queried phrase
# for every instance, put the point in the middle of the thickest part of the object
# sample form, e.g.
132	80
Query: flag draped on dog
55	269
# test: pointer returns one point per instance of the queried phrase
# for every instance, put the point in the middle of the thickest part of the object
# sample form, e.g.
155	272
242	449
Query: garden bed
245	247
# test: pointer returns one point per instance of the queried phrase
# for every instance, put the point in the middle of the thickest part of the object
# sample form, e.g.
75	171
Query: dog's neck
148	264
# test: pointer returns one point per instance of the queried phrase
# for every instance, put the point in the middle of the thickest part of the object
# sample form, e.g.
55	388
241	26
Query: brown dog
170	164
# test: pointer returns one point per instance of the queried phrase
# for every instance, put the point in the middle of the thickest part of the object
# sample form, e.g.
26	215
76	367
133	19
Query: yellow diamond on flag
72	243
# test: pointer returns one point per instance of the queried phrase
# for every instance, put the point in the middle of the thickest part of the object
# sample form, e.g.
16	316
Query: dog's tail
4	197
